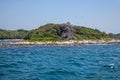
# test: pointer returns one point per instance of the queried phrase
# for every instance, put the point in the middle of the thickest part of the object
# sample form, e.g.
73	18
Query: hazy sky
30	14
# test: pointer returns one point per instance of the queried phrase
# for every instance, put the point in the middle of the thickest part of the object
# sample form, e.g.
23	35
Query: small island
64	34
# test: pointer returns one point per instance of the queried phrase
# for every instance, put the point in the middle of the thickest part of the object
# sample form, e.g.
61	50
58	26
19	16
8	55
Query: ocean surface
87	62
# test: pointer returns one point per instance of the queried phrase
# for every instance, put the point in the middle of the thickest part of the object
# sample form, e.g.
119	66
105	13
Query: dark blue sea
87	62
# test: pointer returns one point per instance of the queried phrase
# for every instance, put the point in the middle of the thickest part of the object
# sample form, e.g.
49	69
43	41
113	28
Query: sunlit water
88	62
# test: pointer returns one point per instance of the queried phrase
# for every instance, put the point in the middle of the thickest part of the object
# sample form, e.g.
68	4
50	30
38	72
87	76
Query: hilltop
66	31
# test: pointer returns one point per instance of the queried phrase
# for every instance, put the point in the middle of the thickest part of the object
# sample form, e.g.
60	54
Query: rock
67	31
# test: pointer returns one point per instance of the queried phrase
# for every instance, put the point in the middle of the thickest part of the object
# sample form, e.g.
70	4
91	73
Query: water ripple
89	62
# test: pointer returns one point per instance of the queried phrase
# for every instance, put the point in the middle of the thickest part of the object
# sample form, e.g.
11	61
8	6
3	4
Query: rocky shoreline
63	43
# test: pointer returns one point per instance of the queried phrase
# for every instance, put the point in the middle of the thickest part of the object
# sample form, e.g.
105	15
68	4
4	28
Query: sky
30	14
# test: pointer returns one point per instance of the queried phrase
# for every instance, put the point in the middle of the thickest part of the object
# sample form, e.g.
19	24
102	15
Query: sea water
87	62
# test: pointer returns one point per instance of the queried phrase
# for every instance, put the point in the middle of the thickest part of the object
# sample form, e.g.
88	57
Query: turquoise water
88	62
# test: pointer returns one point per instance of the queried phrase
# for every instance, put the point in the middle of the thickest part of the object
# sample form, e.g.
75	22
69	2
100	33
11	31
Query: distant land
58	32
13	34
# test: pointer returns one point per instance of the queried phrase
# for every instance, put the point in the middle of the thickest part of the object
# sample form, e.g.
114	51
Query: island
64	34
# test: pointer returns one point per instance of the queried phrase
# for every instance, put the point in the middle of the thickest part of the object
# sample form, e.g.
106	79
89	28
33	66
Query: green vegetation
60	32
83	33
115	36
57	32
48	32
13	34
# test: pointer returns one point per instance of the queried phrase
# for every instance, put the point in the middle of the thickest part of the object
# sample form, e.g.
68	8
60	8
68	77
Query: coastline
61	43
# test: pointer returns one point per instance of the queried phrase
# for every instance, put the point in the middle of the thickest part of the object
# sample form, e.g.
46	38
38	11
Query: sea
86	62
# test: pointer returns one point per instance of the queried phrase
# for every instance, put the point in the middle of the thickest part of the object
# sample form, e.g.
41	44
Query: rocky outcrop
67	31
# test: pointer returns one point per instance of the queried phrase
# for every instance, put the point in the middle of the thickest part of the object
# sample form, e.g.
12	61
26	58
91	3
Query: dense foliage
13	34
57	32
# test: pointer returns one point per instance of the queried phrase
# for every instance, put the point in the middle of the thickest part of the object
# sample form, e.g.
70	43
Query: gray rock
67	31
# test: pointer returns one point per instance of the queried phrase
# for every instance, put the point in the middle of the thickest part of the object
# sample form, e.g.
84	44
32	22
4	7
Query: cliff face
56	32
67	31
